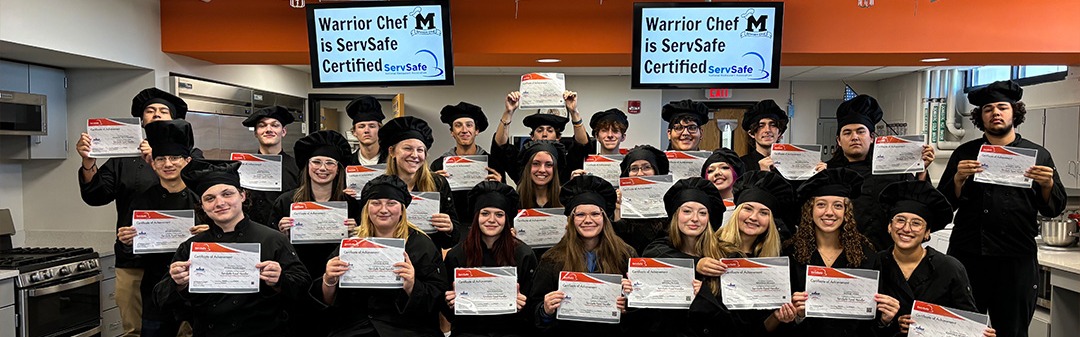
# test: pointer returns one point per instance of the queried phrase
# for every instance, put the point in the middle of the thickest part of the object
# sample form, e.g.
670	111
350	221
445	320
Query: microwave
23	114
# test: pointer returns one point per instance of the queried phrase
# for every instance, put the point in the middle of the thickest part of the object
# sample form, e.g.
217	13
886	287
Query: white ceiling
825	73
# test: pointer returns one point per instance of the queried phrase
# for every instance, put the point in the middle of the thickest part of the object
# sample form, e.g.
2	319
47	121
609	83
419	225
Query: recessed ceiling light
935	59
549	60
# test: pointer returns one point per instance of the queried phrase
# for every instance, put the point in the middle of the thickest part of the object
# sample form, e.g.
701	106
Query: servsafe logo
755	25
753	69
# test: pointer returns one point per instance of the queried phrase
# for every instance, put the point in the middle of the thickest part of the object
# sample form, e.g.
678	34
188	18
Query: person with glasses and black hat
640	161
543	126
684	119
367	117
995	225
269	125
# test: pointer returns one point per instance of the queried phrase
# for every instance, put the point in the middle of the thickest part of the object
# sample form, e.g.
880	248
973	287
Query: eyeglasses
322	163
582	215
171	159
641	168
678	128
899	222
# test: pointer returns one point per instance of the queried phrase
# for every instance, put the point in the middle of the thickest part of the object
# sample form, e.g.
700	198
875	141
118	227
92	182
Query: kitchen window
979	77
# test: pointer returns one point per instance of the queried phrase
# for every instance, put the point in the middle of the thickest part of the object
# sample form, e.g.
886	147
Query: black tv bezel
448	50
635	71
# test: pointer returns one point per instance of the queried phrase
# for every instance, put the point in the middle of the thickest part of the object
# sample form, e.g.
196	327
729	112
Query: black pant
1006	287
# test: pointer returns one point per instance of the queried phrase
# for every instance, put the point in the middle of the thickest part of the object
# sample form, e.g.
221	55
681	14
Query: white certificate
661	283
540	227
643	197
1005	165
485	291
260	172
796	162
898	154
605	166
114	137
757	283
590	297
161	231
931	320
422	207
729	209
224	268
371	262
841	293
542	91
465	171
686	164
357	176
318	222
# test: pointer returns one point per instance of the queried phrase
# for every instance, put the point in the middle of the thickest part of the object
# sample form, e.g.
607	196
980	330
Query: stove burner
19	257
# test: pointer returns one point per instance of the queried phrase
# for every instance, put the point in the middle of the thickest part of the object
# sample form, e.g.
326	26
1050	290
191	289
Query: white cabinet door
51	83
1063	142
1033	127
7	321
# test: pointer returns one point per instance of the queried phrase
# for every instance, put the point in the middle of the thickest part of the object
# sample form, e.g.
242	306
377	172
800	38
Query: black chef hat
280	113
539	119
402	128
177	107
648	153
764	109
588	190
839	182
326	143
917	197
612	114
767	188
531	147
450	113
675	110
365	109
726	155
170	138
495	194
1000	91
862	109
386	187
201	174
699	190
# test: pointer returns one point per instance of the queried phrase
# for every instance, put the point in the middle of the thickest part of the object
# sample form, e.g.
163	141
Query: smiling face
384	214
693	219
269	132
156	112
322	170
684	136
754	219
492	221
464	131
854	140
721	175
410	154
542	169
168	167
610	138
223	203
908	230
588	221
997	118
828	213
765	133
367	132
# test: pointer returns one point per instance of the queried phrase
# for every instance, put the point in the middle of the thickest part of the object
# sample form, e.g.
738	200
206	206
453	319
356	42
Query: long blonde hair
708	245
367	229
612	253
423	181
765	245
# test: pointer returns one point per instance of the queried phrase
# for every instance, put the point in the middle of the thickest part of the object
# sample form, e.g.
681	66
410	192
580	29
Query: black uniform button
235	302
211	325
986	211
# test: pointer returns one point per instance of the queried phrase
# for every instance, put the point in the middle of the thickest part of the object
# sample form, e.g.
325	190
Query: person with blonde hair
406	141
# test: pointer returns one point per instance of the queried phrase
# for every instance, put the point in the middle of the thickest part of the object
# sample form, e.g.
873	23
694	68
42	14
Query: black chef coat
516	324
545	281
870	215
156	265
938	279
814	326
262	201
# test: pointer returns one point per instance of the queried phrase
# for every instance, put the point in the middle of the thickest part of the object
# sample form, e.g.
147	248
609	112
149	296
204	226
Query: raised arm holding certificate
931	320
590	297
465	171
841	293
661	283
422	207
542	91
898	154
224	268
605	166
161	231
485	291
260	172
796	162
686	164
371	262
1005	165
357	176
643	197
114	137
318	222
540	227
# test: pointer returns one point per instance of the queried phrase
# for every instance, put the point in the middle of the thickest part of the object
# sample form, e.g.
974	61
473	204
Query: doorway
725	127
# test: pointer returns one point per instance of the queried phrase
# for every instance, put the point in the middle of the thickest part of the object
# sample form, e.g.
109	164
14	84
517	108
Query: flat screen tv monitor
688	45
379	44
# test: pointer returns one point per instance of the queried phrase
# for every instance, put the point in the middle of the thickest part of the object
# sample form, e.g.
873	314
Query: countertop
6	274
1062	260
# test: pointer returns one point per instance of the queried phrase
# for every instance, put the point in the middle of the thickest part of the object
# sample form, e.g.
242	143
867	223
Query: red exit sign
716	93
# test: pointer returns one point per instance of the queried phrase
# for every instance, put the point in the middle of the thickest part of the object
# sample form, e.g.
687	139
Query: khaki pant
129	299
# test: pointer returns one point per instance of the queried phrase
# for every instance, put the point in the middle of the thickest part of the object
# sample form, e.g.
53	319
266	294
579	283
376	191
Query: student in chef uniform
283	277
407	312
172	142
490	243
723	168
910	272
269	127
466	122
855	121
765	123
543	126
321	157
367	117
609	128
406	141
540	184
589	245
828	236
119	180
684	119
995	225
641	161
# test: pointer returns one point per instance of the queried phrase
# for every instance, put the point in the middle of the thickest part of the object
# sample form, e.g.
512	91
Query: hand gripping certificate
605	166
589	297
224	268
1005	165
260	172
540	227
757	283
931	320
686	164
841	293
465	171
796	162
357	176
371	262
318	222
485	291
661	283
542	91
161	231
422	207
898	154
643	197
114	137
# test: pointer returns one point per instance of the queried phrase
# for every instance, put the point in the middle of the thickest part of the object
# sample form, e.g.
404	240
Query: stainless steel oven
69	308
23	114
1043	298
